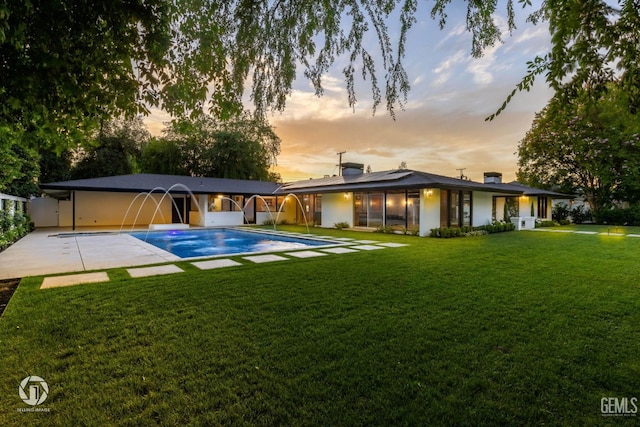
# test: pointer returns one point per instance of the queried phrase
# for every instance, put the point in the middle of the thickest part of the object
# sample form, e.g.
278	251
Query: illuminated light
429	192
346	196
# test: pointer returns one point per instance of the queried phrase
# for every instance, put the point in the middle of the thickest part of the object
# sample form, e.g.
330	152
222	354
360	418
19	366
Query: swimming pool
224	241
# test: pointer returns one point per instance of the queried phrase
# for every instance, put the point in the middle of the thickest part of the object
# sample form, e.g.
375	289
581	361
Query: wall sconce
346	196
428	193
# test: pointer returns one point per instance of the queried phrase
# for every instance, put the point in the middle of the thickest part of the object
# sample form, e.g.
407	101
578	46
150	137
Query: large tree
588	144
243	148
66	64
115	150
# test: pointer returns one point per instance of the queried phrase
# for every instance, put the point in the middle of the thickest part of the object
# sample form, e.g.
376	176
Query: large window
368	209
413	210
456	208
396	211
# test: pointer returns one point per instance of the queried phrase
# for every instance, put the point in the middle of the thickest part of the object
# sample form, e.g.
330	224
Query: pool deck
54	251
44	252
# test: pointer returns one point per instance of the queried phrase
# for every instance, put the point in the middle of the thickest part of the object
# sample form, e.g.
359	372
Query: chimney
352	168
492	178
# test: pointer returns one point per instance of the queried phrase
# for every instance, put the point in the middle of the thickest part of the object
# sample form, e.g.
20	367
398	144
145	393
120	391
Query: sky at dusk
442	127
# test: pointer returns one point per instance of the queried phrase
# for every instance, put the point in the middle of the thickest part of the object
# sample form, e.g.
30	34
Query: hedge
468	231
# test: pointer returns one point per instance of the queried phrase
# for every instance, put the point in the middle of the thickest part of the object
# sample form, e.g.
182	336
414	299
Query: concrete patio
50	251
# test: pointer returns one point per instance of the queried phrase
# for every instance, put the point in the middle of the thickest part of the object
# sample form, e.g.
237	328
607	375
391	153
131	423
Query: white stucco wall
524	204
482	208
429	210
337	207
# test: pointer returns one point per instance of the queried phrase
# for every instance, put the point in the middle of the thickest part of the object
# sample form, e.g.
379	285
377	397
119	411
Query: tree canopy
587	145
68	64
242	148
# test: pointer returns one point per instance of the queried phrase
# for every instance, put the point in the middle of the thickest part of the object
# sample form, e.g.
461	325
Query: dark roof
389	180
531	191
141	183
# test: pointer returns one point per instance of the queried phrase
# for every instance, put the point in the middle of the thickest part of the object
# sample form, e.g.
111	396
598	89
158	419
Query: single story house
418	200
404	199
144	199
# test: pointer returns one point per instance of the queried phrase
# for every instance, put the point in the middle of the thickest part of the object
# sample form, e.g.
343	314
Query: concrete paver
215	263
305	254
367	247
339	250
154	271
259	259
74	279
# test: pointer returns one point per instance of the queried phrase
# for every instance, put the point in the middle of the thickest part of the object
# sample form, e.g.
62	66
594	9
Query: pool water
223	241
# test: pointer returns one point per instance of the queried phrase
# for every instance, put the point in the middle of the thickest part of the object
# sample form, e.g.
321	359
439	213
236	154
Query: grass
507	329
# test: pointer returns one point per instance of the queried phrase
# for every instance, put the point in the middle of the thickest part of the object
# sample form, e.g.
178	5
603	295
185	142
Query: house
417	200
403	199
152	199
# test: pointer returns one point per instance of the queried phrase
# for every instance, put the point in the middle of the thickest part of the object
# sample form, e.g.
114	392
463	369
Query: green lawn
518	328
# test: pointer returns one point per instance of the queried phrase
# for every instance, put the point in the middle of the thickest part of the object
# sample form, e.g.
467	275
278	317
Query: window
396	211
511	207
466	208
444	210
368	209
456	208
542	207
413	210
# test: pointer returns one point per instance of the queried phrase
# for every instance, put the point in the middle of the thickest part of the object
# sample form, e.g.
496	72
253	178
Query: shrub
547	223
580	215
13	227
383	229
468	231
341	225
269	221
560	211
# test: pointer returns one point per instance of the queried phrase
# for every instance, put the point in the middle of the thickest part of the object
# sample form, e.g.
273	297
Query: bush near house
13	226
560	212
467	231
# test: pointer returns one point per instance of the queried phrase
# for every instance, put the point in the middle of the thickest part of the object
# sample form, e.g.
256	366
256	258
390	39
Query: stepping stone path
351	246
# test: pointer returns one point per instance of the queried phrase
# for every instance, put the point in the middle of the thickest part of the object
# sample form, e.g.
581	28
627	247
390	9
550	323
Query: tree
68	64
55	167
24	182
241	149
588	145
163	156
115	151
